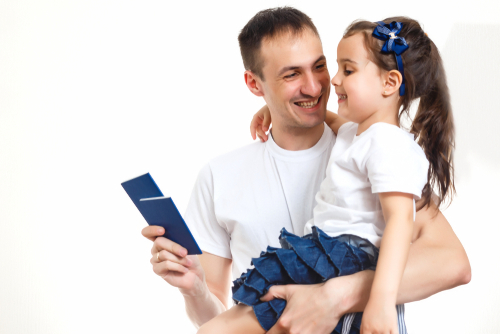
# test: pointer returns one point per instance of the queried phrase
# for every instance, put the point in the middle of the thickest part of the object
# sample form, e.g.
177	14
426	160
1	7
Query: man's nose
311	86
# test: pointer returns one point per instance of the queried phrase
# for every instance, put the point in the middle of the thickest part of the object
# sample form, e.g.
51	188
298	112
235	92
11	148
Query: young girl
375	174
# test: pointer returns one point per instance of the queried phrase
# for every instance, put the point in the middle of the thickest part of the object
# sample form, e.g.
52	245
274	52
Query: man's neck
297	139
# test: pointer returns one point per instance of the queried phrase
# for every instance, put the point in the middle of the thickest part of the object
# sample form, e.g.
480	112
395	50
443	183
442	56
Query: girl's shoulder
347	131
386	142
384	136
347	127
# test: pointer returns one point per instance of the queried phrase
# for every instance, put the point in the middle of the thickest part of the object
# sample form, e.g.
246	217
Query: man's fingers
152	232
282	326
168	245
167	256
162	268
276	329
276	291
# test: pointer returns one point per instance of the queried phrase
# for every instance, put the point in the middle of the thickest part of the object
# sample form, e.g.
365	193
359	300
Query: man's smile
308	104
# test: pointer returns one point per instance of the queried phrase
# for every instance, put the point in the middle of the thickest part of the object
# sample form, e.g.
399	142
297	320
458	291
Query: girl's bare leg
236	320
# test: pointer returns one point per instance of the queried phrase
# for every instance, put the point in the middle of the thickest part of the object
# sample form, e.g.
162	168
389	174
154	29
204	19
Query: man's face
297	82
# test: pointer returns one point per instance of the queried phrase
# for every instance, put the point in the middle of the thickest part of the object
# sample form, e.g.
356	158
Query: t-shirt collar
308	154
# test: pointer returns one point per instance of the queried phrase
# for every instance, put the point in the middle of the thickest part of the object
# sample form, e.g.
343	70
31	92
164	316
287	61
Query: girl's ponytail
434	129
425	80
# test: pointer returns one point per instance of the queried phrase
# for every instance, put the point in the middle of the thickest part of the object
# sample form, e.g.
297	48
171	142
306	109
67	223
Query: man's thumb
276	291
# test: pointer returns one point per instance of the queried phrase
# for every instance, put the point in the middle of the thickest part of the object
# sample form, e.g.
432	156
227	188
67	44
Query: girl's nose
335	80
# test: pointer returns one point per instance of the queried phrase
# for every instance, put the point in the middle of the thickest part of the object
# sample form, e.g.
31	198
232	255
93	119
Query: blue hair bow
393	43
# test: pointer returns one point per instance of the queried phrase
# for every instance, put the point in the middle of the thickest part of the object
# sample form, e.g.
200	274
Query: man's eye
320	66
290	76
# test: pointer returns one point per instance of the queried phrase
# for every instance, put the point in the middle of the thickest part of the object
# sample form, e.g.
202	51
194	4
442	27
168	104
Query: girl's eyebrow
346	60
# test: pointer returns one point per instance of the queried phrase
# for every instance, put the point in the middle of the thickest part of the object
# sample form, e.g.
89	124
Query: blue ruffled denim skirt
311	259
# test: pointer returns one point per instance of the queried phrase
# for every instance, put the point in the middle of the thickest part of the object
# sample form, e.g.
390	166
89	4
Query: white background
93	93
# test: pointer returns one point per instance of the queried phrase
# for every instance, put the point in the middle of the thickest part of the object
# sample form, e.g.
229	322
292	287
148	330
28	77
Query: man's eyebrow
289	68
286	69
322	57
347	60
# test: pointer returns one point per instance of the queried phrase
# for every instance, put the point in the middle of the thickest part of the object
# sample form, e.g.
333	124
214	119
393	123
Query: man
242	199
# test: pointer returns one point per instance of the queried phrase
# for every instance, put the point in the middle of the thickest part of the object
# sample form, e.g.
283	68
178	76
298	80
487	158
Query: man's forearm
203	307
432	268
436	262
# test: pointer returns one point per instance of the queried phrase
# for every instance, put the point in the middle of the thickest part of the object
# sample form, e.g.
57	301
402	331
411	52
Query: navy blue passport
161	211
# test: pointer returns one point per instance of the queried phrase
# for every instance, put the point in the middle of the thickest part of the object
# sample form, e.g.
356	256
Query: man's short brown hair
269	23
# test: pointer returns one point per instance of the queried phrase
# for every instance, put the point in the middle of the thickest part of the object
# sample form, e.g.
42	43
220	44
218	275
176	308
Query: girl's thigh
238	319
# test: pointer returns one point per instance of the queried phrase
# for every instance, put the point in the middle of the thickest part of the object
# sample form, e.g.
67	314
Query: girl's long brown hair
425	80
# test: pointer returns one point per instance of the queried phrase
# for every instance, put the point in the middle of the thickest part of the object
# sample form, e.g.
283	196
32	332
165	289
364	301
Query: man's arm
436	262
203	280
213	300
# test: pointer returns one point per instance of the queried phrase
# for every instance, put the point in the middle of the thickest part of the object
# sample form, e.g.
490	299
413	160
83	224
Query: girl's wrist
383	297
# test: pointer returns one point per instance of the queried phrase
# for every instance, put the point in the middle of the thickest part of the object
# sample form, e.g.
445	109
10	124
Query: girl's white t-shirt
384	158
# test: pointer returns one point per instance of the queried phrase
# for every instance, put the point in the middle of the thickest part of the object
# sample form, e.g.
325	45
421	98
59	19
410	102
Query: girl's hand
379	318
260	123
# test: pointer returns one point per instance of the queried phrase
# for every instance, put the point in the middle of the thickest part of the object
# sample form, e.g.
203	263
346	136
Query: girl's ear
254	83
392	81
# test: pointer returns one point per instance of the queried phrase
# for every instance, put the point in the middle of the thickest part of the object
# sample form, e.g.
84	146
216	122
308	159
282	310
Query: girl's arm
334	121
380	312
262	120
260	124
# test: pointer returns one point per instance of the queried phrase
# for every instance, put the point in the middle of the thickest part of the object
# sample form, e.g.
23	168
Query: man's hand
205	295
310	309
171	262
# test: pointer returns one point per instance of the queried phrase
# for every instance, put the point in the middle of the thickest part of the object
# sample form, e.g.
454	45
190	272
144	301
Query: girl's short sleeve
396	164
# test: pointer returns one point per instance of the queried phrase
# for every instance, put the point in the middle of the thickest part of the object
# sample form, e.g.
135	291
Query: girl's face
358	82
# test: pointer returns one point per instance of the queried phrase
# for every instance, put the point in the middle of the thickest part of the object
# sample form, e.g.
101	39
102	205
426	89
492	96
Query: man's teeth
308	104
342	96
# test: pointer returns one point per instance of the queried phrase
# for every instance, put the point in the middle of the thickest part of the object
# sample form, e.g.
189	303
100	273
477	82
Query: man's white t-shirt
384	158
242	199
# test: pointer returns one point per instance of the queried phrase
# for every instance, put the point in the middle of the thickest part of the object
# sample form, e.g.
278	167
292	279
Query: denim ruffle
313	258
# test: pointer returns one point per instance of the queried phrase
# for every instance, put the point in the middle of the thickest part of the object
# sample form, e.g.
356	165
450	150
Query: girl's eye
347	72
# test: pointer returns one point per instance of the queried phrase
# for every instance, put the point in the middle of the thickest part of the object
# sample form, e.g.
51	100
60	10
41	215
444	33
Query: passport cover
160	211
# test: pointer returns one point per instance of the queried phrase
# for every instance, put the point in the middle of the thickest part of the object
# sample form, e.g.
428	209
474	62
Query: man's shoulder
241	156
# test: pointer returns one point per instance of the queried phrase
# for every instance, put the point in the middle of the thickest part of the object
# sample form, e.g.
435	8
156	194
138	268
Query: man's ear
254	83
392	81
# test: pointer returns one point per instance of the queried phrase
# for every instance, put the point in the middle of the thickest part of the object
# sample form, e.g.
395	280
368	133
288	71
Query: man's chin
312	120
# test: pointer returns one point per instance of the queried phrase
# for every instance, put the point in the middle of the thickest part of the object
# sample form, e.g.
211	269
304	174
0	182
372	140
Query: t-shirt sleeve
397	165
201	218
